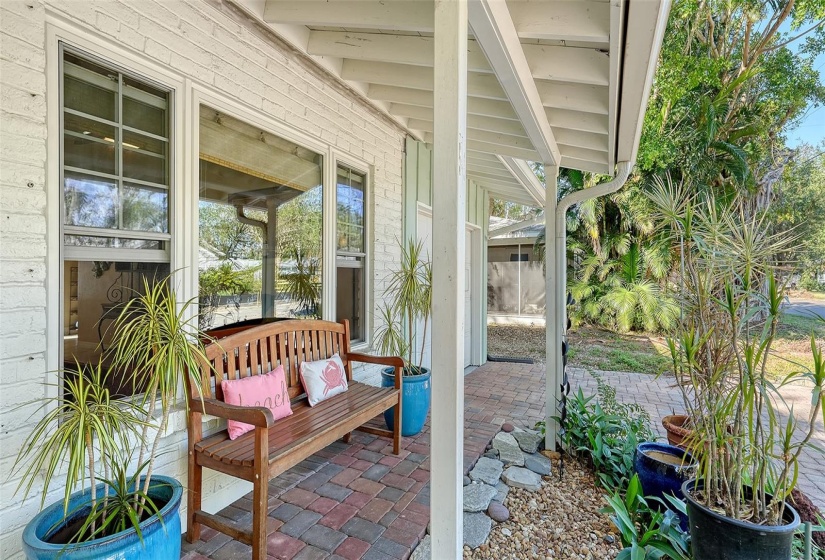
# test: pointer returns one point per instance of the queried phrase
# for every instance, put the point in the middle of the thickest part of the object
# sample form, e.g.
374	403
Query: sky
811	128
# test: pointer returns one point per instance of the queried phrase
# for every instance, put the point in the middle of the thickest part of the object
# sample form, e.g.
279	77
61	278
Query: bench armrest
391	361
256	415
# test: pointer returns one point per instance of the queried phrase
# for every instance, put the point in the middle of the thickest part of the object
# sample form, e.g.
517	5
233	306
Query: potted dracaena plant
746	439
407	305
117	514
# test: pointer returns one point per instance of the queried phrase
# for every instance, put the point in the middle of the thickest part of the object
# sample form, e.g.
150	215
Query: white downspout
555	365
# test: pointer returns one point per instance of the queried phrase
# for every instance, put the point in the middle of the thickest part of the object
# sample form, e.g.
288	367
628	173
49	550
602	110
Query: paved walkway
358	501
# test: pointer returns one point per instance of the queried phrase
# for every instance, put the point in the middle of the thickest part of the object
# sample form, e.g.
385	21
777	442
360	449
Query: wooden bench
275	446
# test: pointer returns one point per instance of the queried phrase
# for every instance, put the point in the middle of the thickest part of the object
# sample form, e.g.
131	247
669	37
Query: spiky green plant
158	341
82	425
408	299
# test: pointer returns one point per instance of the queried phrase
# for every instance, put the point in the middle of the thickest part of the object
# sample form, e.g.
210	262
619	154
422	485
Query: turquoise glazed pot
161	539
415	400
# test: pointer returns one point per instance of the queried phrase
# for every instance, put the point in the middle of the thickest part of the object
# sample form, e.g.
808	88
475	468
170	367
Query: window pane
90	201
144	107
144	158
145	209
350	211
89	88
89	144
273	183
113	242
92	294
350	296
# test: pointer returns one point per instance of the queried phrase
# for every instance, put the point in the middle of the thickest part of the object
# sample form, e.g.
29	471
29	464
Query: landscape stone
501	492
507	427
498	512
476	529
508	449
519	477
467	480
478	496
491	454
528	440
487	470
424	550
537	463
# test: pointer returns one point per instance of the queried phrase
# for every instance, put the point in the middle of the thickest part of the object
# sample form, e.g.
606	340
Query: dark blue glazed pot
664	474
415	400
161	539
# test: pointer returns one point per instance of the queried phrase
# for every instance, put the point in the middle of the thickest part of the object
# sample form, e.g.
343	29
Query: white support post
449	214
554	285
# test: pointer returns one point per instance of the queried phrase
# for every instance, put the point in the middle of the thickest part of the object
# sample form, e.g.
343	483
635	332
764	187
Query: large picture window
115	178
351	252
260	225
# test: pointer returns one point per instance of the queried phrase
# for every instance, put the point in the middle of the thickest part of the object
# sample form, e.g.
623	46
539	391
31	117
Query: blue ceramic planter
415	400
660	476
161	540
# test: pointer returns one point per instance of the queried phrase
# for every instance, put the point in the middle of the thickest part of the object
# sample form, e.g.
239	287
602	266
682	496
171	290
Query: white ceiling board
567	64
574	97
578	21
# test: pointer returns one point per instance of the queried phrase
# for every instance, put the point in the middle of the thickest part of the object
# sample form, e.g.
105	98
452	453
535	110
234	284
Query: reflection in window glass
260	225
351	254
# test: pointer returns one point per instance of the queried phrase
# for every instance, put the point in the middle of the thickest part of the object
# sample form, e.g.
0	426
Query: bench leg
193	500
347	437
260	498
396	433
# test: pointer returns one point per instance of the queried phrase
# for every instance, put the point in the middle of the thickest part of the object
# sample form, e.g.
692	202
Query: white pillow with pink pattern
323	379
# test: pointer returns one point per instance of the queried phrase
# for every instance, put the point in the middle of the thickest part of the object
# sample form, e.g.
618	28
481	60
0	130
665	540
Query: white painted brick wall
209	42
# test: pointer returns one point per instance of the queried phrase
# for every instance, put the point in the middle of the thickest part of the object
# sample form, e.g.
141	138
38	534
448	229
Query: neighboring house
515	275
311	121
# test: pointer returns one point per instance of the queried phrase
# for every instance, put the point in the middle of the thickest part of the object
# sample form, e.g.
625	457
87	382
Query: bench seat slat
292	431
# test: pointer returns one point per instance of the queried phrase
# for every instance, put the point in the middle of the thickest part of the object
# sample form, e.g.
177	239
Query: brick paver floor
358	500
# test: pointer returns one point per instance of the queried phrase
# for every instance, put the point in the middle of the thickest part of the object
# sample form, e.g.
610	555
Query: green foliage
304	285
798	545
408	299
606	432
223	280
646	534
222	233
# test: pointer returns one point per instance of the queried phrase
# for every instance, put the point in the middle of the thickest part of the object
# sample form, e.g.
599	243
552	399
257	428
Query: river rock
476	529
498	512
487	470
478	496
537	463
508	449
424	550
467	480
501	492
528	440
491	454
519	477
507	427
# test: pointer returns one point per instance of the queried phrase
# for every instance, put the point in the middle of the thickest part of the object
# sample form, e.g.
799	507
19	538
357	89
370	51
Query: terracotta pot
676	432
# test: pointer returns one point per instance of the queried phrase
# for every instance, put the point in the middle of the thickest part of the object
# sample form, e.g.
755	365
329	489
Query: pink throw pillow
267	390
323	379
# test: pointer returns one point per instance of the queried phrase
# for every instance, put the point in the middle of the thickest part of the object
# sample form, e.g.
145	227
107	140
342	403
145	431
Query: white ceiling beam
581	139
576	97
576	21
522	198
595	156
476	106
576	120
504	176
584	165
496	171
494	30
522	171
401	15
487	147
476	122
416	77
385	47
567	64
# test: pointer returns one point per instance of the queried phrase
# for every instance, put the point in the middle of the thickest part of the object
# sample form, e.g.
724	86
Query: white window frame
113	54
337	158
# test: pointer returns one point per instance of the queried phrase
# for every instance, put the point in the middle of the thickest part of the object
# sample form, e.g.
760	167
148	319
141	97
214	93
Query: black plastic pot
716	537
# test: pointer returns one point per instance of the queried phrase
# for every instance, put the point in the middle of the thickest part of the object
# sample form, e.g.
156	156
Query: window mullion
119	148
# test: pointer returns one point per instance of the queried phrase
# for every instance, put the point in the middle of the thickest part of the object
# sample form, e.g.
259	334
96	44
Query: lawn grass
596	348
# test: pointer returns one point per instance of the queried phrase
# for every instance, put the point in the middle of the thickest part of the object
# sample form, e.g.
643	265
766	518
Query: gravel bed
561	520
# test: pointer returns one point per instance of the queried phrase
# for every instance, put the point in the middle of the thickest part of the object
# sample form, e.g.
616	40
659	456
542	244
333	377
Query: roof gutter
623	169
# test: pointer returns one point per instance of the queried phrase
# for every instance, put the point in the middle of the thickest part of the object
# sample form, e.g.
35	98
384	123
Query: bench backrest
258	350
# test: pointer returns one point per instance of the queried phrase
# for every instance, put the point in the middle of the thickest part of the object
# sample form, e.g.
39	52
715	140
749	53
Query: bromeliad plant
747	439
408	300
155	343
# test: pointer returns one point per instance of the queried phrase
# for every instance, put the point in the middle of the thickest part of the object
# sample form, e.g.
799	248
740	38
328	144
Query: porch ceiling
564	82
